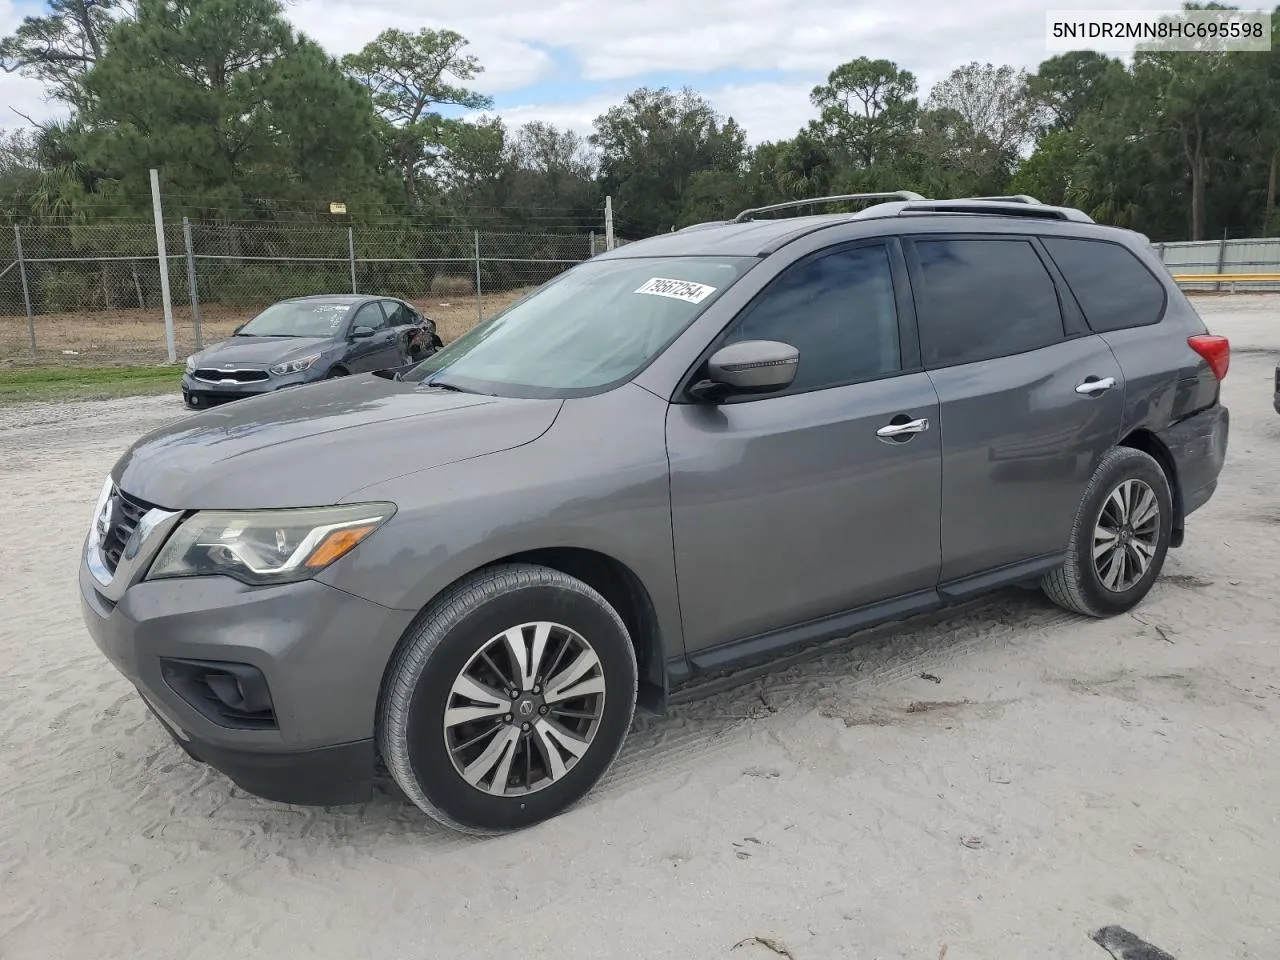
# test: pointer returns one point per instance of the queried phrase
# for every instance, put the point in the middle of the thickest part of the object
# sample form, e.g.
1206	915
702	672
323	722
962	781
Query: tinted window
978	299
1111	285
838	311
370	315
398	315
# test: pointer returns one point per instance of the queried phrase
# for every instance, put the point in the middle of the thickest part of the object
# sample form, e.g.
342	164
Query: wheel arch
1150	444
620	586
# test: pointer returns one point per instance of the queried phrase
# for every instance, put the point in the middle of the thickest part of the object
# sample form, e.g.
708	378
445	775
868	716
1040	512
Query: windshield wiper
444	385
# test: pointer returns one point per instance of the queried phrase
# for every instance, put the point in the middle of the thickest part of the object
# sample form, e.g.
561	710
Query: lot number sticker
685	290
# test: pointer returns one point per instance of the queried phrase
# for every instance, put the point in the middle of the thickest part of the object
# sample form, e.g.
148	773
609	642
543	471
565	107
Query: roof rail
746	215
1005	208
1012	198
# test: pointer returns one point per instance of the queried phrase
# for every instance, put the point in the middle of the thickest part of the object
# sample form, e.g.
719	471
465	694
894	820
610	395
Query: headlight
191	364
267	546
295	366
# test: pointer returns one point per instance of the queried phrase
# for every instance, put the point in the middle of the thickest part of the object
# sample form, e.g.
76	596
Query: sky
567	61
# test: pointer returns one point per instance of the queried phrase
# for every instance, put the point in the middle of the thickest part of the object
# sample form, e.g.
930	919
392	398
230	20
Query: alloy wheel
1126	535
524	709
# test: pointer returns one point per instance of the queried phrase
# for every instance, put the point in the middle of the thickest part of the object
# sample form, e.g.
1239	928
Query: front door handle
893	430
1093	387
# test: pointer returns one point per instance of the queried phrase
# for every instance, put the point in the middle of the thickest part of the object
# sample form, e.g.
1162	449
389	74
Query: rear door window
977	299
371	316
1115	291
398	315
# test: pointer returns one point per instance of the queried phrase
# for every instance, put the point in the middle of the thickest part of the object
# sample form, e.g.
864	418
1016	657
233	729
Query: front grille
239	376
126	512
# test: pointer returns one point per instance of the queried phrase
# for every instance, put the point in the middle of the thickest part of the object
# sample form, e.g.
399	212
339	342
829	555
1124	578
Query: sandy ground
1123	772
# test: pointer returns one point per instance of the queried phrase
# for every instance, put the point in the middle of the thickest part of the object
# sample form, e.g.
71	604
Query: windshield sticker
685	290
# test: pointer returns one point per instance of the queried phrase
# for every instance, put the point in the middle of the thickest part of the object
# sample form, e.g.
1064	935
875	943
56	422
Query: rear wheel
1120	537
509	699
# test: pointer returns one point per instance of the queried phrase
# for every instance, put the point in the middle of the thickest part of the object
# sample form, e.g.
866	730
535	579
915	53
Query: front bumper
321	651
222	392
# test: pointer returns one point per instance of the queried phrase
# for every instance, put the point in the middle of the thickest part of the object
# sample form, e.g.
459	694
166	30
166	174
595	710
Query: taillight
1215	350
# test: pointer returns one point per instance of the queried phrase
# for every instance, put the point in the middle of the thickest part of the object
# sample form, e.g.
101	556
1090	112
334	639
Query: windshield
297	320
593	326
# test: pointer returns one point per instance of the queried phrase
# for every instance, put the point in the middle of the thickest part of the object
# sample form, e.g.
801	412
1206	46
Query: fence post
163	259
351	253
26	290
191	280
1222	259
608	223
593	245
479	301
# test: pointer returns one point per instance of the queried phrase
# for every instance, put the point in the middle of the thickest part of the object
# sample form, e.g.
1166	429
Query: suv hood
319	444
260	350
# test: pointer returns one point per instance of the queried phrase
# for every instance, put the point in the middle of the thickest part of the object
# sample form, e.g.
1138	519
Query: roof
747	239
335	298
743	237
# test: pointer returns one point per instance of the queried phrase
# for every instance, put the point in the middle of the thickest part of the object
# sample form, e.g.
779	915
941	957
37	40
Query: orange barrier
1227	277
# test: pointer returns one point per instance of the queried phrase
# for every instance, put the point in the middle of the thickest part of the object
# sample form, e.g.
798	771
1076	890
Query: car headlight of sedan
191	364
295	366
267	546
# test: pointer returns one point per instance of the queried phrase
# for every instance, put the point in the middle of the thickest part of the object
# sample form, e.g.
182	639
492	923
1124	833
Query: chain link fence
92	294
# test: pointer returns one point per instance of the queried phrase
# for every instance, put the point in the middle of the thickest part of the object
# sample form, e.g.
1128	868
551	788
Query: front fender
596	480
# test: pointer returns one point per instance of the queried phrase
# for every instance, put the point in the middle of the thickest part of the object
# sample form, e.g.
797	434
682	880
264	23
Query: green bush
64	291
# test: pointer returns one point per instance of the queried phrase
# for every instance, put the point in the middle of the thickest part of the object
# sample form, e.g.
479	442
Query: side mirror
752	366
362	333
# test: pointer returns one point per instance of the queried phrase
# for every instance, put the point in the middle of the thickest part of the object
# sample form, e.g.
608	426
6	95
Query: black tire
338	372
439	646
1077	585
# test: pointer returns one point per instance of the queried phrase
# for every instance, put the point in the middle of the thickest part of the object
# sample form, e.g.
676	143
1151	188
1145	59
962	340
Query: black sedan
308	339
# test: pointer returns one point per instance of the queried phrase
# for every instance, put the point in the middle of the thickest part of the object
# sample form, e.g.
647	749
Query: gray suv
682	456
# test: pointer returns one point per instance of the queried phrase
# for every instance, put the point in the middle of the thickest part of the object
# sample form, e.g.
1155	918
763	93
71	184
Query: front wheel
1120	537
508	700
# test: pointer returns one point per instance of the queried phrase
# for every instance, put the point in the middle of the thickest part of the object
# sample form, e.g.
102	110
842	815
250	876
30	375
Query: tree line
251	120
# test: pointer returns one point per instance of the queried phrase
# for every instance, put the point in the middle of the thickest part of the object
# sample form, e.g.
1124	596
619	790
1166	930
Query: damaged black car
308	339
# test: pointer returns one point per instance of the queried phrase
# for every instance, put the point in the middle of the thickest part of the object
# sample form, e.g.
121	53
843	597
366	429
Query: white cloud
615	41
21	96
576	115
344	26
18	93
619	43
768	111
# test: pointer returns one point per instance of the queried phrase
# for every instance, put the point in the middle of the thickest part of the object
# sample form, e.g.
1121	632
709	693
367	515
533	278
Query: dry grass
119	337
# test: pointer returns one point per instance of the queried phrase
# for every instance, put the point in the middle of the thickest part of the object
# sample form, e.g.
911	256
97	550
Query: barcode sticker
685	290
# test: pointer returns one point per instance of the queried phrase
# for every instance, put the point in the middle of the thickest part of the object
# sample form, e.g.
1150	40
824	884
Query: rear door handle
1093	387
894	430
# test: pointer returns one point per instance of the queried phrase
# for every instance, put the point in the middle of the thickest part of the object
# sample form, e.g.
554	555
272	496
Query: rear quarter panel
1171	392
1165	380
